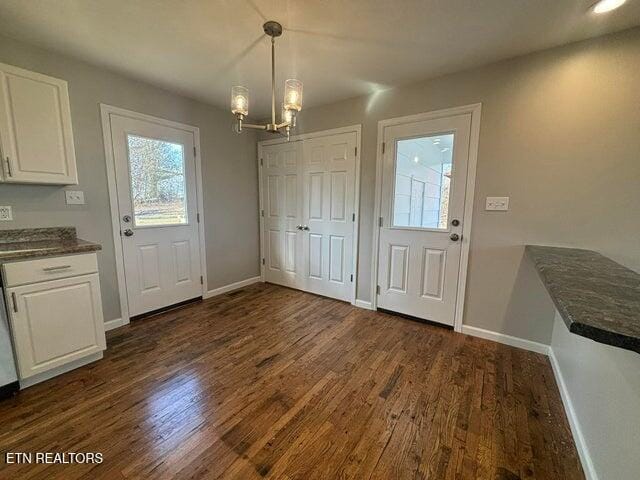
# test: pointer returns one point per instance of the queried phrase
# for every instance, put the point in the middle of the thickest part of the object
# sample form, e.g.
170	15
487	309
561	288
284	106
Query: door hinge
353	217
201	280
263	261
380	222
352	277
262	213
194	152
9	172
383	144
356	151
261	162
377	289
198	217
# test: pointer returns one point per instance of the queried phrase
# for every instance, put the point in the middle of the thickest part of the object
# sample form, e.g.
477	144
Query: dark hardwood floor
268	382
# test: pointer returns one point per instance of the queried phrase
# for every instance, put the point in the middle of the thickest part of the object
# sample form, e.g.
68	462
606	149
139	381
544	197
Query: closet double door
308	213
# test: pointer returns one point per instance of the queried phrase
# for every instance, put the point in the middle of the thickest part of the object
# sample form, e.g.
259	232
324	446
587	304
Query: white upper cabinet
35	128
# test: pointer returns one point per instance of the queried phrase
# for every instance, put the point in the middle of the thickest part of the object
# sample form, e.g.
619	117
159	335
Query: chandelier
292	95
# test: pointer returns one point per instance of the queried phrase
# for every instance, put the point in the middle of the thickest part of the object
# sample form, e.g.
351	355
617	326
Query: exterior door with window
156	183
422	207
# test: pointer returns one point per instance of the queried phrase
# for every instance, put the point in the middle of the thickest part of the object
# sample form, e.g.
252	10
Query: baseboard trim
111	324
231	286
363	304
506	339
581	445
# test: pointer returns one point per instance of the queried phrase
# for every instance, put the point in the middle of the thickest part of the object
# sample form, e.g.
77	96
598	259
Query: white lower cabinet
54	322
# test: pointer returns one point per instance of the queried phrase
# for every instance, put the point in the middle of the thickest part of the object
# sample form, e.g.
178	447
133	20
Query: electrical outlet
74	197
497	203
5	214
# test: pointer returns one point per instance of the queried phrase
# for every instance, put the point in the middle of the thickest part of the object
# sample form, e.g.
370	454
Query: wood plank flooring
272	383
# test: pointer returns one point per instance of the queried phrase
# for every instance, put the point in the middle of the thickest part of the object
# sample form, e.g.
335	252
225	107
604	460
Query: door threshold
416	319
166	309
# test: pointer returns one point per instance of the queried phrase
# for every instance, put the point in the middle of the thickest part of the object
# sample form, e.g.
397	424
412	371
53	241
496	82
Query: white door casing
418	261
328	214
309	208
162	264
282	213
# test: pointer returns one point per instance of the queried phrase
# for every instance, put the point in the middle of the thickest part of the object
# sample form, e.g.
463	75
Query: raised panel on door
315	256
433	268
35	128
149	267
398	268
337	262
56	322
181	252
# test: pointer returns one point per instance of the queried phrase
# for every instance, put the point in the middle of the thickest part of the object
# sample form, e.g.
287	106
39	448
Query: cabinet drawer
53	268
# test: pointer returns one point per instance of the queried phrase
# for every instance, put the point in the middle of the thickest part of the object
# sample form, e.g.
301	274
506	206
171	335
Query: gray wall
560	135
228	168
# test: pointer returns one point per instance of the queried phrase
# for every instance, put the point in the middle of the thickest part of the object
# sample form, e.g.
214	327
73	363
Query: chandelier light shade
292	95
240	100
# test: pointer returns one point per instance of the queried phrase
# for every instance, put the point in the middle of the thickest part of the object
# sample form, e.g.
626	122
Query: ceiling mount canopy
291	105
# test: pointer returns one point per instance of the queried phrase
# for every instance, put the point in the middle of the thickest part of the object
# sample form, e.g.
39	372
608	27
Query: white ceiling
338	48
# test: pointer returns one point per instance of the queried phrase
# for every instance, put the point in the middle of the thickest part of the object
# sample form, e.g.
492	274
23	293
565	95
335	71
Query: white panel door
35	128
156	183
282	212
328	214
422	206
56	322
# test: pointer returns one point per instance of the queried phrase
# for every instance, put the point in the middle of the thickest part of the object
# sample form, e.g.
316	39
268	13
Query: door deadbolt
455	222
126	218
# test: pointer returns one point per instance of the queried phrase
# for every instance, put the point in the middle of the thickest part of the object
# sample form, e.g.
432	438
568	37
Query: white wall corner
111	324
231	286
578	437
363	304
506	339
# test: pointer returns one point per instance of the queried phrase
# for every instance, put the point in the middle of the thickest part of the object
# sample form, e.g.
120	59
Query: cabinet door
55	322
35	128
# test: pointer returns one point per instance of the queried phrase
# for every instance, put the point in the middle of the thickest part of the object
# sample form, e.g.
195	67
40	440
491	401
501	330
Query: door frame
357	129
475	110
105	113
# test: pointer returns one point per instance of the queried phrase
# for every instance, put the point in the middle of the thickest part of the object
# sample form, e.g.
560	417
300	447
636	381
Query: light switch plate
74	197
497	203
6	215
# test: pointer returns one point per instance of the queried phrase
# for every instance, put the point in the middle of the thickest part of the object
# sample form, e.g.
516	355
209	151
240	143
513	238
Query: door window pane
422	183
158	187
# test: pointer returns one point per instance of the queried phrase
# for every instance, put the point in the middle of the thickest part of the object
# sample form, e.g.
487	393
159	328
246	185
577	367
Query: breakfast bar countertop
20	244
596	297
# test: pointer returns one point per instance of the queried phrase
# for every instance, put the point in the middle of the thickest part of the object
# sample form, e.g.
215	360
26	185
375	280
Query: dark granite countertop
20	244
596	297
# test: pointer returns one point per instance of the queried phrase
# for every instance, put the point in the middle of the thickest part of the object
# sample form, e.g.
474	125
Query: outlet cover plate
74	197
497	203
6	215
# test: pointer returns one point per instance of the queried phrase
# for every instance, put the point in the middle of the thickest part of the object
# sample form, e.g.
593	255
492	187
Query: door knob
128	232
305	228
299	227
455	237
